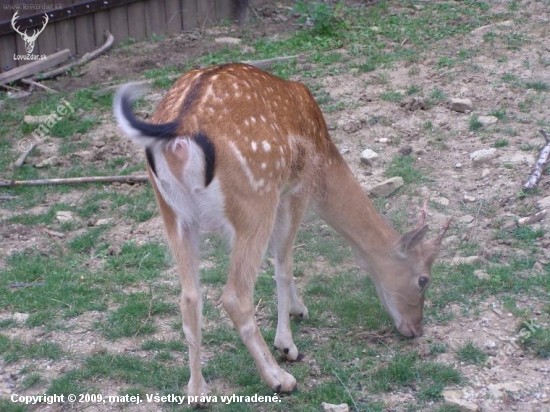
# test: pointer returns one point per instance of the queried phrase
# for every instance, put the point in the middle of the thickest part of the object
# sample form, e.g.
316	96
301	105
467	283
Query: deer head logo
29	40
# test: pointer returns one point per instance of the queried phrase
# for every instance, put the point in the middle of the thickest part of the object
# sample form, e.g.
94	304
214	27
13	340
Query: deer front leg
237	300
289	216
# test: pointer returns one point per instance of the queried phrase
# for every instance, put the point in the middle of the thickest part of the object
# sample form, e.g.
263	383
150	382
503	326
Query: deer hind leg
249	245
184	242
289	215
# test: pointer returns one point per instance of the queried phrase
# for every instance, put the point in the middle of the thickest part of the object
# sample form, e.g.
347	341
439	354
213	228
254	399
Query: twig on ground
532	218
69	180
85	59
540	164
32	83
21	159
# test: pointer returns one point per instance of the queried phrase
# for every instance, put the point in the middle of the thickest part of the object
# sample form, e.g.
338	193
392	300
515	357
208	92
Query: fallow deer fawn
239	151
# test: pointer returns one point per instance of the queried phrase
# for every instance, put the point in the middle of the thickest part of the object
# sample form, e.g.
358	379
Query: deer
238	151
29	40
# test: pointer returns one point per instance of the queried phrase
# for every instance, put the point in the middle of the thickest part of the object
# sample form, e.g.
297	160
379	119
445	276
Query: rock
482	156
466	219
51	161
487	120
469	199
466	260
369	157
454	398
343	149
64	216
544	202
519	158
481	274
384	140
405	150
490	344
498	390
329	407
103	222
537	267
20	317
485	173
387	187
443	201
461	105
458	165
228	40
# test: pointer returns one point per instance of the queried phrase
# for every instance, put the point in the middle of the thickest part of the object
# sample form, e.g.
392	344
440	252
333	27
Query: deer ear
411	240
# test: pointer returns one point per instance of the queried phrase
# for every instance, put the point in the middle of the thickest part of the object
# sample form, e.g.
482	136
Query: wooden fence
79	25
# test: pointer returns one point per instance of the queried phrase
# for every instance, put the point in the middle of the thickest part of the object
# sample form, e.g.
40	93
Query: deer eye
423	281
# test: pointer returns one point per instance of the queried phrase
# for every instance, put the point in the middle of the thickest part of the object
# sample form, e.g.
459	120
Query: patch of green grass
469	353
158	345
7	323
501	143
538	86
437	348
31	380
86	241
535	338
6	405
404	166
500	113
14	349
413	89
391	96
136	316
475	124
436	96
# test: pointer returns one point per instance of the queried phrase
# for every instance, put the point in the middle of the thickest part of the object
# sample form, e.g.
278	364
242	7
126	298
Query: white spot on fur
254	146
266	146
256	184
253	119
263	118
264	165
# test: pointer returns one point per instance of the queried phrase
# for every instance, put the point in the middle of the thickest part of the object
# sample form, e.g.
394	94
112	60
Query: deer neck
345	206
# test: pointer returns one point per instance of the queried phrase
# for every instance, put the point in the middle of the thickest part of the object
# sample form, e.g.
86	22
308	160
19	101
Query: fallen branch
540	164
85	59
69	180
19	162
532	218
264	64
32	83
34	67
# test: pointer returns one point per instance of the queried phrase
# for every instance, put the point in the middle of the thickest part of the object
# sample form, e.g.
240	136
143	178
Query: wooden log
540	164
35	67
71	180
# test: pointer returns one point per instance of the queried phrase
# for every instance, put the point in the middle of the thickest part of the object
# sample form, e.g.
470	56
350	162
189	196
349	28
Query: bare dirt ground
482	198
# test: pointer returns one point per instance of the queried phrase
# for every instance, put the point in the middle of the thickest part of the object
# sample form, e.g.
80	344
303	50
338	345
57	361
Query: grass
404	166
469	353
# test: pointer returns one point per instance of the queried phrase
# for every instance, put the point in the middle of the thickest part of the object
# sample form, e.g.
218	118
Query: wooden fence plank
156	22
173	17
7	48
189	10
119	23
224	9
65	32
102	22
85	37
47	40
205	12
136	21
34	67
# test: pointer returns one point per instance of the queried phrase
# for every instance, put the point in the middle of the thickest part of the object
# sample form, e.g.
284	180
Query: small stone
405	150
487	120
537	267
481	274
387	187
490	344
375	28
483	155
458	165
64	216
443	201
369	157
51	161
103	222
544	202
343	150
329	407
461	105
469	199
384	140
228	40
20	317
466	219
485	173
498	390
466	260
454	398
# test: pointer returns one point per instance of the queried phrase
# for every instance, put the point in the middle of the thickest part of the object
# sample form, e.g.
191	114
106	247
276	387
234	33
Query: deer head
29	40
